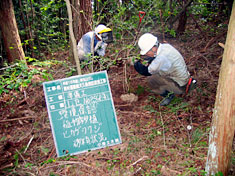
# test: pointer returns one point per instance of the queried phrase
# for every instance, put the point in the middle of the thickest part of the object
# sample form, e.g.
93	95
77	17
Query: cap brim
105	30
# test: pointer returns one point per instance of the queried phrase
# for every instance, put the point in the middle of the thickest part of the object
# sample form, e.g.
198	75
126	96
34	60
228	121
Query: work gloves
142	69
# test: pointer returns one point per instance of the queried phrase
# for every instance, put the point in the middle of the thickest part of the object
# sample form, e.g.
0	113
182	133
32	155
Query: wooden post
223	122
74	45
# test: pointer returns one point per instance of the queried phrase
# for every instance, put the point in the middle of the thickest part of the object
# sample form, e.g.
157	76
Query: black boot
168	97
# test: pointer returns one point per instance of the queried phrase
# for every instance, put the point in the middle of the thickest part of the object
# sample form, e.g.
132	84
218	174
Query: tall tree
82	17
223	123
10	32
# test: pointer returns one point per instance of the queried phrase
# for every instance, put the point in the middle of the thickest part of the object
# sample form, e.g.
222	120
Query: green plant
140	90
177	104
20	74
197	135
50	160
150	108
112	163
96	63
28	165
219	174
16	158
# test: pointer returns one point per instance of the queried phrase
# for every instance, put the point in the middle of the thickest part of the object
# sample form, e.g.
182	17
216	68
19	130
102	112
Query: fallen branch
221	45
4	68
213	41
143	158
22	118
28	143
51	153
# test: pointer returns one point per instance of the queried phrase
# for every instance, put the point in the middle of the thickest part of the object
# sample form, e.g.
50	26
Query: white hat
101	29
146	42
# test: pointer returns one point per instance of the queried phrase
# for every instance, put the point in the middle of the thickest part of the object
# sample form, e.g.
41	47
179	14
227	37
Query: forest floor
155	140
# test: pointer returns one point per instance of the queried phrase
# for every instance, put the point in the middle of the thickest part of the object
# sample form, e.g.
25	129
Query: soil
155	140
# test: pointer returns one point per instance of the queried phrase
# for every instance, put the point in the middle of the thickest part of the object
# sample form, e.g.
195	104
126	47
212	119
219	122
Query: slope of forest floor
155	140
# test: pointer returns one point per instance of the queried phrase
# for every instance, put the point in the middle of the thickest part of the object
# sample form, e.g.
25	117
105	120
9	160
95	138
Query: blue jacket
84	46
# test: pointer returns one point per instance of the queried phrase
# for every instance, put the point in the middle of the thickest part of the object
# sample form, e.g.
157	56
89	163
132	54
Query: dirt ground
155	140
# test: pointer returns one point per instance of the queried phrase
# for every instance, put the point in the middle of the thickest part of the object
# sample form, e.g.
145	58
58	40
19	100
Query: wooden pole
223	122
74	46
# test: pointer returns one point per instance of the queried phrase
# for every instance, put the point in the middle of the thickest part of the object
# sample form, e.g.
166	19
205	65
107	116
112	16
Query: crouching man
94	41
166	70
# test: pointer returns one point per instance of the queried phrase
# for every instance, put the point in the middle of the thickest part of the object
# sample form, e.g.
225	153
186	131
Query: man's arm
141	69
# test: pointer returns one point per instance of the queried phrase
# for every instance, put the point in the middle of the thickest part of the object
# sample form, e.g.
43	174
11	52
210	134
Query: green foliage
97	63
197	134
140	90
20	74
219	174
16	158
177	104
50	160
47	23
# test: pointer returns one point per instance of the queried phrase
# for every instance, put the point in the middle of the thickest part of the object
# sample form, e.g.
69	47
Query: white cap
100	29
146	42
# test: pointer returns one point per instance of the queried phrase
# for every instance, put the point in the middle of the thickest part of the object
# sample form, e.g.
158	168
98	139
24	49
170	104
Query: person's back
84	45
178	71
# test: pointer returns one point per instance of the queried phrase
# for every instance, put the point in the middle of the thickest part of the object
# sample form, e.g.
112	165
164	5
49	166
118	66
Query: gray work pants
160	84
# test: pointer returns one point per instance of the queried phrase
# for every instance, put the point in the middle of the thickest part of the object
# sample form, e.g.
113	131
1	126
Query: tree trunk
72	38
223	122
184	8
182	23
85	19
10	32
27	28
82	17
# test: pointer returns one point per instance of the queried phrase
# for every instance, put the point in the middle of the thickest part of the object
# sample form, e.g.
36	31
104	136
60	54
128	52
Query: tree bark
223	122
85	17
10	32
182	23
82	17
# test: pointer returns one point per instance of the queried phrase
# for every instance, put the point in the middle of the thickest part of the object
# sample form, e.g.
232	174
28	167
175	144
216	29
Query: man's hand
141	69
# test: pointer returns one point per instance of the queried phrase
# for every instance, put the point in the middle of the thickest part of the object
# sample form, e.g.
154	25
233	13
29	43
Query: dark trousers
160	84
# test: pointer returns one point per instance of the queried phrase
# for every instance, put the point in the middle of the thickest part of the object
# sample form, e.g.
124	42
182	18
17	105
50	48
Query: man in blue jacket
167	71
94	42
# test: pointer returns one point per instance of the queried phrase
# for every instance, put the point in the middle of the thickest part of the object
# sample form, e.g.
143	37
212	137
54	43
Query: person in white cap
99	38
166	68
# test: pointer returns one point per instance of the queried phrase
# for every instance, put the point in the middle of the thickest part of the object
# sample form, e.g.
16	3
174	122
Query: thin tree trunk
74	45
27	30
223	122
10	32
